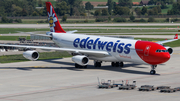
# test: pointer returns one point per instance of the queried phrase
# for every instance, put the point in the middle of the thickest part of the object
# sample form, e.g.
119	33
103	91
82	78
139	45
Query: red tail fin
53	20
176	36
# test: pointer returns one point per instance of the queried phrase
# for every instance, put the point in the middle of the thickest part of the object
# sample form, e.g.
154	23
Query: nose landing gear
153	67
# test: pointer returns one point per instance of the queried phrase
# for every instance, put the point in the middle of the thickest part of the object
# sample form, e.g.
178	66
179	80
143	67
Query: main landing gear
97	64
79	66
117	64
153	67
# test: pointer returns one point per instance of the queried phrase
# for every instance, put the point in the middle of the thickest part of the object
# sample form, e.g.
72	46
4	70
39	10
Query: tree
88	6
104	12
76	6
40	3
121	10
155	10
175	9
64	18
151	19
163	6
16	10
144	10
24	12
110	6
35	13
97	13
132	18
159	9
150	12
138	11
125	3
62	8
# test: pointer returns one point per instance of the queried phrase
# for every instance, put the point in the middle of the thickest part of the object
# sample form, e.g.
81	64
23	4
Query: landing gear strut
79	66
153	67
97	64
117	64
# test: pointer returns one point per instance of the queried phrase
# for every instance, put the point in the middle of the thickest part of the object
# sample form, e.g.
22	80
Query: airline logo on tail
53	20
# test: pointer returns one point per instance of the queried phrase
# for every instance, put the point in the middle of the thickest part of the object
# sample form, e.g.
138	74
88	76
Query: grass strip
43	56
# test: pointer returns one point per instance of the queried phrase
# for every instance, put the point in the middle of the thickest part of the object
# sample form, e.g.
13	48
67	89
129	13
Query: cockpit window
158	51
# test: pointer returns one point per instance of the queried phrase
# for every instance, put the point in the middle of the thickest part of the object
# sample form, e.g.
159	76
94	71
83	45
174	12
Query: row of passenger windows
161	50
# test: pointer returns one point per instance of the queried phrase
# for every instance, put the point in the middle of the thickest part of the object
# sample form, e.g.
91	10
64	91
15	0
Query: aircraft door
146	51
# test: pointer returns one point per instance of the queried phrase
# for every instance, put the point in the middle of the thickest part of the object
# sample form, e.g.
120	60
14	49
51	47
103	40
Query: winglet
176	36
53	20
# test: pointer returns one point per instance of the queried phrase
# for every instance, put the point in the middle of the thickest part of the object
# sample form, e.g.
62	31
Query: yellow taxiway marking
29	86
176	53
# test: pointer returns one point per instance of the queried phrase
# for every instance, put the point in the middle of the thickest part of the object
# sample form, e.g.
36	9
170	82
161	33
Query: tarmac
59	80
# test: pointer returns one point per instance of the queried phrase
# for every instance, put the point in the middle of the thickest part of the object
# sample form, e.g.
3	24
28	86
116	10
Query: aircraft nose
165	57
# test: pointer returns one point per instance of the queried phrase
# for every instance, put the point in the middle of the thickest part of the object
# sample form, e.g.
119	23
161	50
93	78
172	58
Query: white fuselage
121	50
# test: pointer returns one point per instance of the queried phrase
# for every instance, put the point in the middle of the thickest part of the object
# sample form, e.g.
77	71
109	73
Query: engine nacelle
48	33
81	60
31	55
170	50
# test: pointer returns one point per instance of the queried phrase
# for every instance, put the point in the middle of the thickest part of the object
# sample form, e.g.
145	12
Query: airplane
100	48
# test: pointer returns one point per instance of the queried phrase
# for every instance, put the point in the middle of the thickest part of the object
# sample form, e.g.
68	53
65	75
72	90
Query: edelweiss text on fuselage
101	45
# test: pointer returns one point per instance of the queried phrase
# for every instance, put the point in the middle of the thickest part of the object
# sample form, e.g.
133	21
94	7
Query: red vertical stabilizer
53	20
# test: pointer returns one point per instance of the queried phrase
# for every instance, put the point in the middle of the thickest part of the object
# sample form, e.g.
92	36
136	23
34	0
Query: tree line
13	8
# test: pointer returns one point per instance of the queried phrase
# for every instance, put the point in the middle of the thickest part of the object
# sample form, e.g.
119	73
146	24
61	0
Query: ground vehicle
170	90
147	88
106	85
177	88
128	86
163	87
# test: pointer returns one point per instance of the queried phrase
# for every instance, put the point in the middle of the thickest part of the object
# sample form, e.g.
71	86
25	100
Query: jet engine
31	55
81	60
170	50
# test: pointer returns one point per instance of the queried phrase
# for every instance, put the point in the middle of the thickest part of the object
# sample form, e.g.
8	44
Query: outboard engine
170	50
81	60
31	55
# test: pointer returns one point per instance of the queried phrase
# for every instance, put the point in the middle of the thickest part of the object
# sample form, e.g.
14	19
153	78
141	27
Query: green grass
43	56
13	38
164	11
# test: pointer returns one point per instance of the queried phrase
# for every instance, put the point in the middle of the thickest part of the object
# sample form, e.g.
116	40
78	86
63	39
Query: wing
166	41
86	52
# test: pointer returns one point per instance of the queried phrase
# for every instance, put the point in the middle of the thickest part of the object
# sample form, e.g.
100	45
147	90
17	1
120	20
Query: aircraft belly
132	57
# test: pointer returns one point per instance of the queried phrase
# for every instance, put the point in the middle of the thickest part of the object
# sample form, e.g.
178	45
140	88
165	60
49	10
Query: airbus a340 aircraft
100	49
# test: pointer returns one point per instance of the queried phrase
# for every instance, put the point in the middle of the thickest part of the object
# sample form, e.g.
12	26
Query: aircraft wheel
97	64
85	66
121	64
112	64
77	66
152	72
117	64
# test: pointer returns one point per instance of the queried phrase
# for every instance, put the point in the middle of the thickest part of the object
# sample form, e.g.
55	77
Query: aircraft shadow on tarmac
71	67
